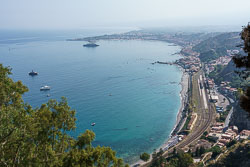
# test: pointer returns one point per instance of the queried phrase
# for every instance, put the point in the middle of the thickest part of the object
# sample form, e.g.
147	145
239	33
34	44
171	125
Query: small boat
48	95
93	124
33	73
44	88
90	45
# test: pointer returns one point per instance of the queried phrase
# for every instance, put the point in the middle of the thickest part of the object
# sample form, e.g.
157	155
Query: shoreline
180	118
184	97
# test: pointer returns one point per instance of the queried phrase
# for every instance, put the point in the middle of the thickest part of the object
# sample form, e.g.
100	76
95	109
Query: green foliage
186	123
38	137
209	55
229	107
180	159
209	138
185	159
199	151
215	47
223	116
145	157
216	150
215	74
158	159
227	73
199	164
239	156
231	143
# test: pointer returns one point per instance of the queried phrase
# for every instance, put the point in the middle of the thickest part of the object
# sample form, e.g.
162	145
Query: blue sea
133	102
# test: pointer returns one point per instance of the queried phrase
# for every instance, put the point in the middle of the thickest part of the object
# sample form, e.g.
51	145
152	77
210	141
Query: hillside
214	47
238	156
227	73
179	38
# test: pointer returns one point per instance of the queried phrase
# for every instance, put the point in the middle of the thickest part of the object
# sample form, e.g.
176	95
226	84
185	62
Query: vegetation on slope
237	156
38	137
177	159
217	46
243	61
227	73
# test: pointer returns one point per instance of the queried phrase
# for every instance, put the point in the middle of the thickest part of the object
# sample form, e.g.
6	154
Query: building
214	98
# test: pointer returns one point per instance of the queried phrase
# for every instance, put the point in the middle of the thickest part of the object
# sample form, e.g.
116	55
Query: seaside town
222	96
134	83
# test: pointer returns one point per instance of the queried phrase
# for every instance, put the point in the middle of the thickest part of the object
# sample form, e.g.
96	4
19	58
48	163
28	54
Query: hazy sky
66	14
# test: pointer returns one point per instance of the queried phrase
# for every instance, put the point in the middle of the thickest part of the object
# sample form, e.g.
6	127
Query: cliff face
240	118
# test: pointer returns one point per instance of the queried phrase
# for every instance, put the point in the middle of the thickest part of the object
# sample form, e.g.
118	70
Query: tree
233	142
158	159
205	133
145	157
185	159
181	159
39	137
243	62
197	152
174	152
216	151
202	150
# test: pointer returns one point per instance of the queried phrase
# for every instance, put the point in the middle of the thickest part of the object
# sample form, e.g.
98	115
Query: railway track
195	135
203	124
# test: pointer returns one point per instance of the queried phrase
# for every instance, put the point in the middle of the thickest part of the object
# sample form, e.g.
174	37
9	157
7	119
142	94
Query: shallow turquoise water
132	102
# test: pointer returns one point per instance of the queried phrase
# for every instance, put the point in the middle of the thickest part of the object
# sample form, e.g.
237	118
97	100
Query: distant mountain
214	47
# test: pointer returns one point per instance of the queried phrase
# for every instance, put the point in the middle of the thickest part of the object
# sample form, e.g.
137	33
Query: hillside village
223	95
221	133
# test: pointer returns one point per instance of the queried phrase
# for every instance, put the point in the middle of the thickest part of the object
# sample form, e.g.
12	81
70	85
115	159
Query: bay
133	103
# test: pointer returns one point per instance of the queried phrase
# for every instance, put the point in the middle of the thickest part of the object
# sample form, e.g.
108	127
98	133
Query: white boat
93	124
46	87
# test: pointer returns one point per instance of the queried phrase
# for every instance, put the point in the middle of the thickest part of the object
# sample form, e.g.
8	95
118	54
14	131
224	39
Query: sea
133	102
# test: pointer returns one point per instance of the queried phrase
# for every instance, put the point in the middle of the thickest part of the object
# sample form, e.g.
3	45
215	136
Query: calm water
132	102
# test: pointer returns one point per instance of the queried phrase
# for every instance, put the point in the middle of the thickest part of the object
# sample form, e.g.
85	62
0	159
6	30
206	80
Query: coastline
184	99
181	115
180	118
